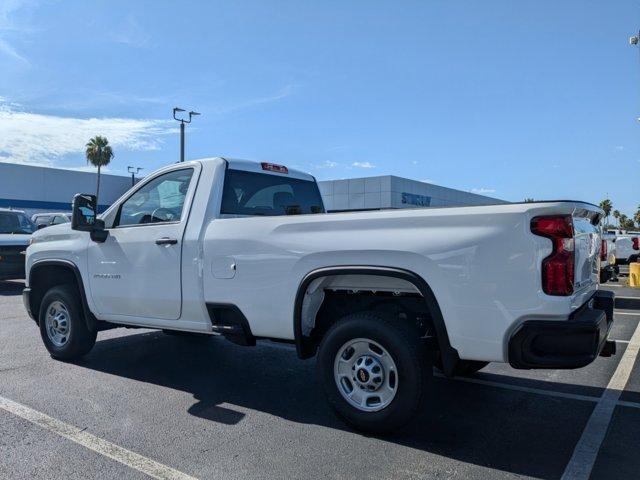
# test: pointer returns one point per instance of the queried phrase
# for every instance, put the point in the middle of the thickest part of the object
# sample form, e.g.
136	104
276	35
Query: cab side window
159	201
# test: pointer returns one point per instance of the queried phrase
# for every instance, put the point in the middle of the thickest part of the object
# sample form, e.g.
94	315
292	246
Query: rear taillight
558	267
636	243
603	250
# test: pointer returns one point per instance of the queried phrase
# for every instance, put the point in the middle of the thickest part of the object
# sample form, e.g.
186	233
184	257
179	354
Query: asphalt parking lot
206	408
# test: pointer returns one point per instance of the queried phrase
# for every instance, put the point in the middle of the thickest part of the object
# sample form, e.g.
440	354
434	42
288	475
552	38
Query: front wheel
374	371
62	324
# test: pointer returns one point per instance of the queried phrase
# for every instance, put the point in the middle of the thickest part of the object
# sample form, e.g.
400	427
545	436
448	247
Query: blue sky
513	99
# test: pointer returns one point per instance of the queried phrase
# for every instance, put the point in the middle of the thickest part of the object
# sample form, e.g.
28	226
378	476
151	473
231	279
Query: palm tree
616	215
98	154
529	200
636	216
623	221
606	205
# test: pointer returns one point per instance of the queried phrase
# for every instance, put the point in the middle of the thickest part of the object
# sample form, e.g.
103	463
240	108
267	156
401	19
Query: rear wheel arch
46	274
306	347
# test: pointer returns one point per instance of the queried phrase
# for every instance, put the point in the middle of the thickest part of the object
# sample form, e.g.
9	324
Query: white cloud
11	52
284	92
483	190
619	148
328	164
44	139
7	27
363	165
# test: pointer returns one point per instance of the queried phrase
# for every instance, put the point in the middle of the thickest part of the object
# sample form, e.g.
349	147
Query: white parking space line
586	451
618	312
98	445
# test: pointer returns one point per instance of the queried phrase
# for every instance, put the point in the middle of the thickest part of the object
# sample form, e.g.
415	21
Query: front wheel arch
45	274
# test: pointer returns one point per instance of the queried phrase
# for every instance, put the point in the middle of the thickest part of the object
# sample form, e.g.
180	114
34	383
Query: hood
52	230
11	239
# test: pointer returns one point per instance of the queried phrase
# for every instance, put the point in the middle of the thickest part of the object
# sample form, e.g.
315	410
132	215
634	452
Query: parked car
246	251
15	231
43	220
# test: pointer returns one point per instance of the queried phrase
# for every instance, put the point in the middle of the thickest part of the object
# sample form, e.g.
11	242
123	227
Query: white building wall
42	189
394	192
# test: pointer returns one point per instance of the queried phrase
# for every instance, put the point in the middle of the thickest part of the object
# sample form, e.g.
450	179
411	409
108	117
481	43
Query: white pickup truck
627	246
245	250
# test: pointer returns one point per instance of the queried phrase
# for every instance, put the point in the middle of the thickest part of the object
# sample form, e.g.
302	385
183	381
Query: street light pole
133	171
182	122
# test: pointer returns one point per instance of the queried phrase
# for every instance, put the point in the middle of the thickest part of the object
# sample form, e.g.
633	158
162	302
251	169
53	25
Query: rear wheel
374	371
604	276
62	324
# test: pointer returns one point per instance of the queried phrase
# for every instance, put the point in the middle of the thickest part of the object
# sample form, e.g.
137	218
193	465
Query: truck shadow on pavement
11	288
512	431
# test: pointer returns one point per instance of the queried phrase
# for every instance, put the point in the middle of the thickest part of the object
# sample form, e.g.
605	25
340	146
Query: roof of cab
253	166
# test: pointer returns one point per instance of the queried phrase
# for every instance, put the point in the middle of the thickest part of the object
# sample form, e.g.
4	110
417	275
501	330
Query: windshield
249	193
15	222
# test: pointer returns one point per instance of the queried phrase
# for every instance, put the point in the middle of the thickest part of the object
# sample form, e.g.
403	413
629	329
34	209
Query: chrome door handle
166	241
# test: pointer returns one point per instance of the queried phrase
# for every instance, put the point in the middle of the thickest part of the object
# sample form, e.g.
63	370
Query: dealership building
389	191
43	189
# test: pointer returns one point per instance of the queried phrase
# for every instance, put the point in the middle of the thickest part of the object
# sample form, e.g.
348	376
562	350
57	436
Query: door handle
166	241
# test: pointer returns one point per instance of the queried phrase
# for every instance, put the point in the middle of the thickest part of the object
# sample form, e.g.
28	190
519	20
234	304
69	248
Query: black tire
464	368
604	276
414	370
79	339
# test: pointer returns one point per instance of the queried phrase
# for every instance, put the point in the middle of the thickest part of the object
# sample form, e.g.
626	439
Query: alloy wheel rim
57	323
365	374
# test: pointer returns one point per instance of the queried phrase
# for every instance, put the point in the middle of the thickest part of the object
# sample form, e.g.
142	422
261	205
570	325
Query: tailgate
587	249
571	267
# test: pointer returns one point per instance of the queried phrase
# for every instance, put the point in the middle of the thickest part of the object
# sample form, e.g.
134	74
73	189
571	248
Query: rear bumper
571	343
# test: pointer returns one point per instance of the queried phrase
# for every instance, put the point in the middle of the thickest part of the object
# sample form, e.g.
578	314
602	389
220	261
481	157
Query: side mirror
84	217
84	213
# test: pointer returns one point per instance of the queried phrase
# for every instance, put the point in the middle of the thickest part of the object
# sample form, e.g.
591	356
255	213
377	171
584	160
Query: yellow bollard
634	274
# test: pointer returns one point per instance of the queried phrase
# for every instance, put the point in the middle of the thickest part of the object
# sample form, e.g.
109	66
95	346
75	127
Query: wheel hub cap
365	374
57	323
369	374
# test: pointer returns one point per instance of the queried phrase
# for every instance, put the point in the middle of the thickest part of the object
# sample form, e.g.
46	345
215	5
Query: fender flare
305	349
89	317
